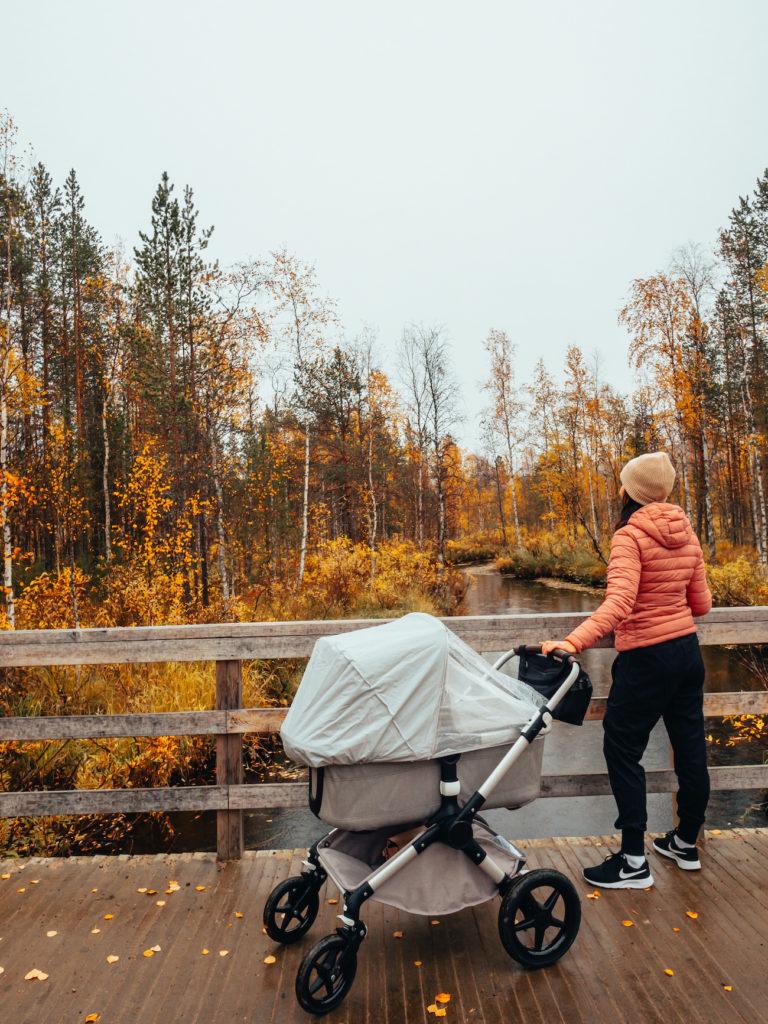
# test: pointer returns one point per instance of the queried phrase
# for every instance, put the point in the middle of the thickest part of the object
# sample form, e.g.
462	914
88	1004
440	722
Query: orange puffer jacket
656	582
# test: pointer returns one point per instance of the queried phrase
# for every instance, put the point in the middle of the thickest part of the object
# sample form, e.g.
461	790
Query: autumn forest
146	478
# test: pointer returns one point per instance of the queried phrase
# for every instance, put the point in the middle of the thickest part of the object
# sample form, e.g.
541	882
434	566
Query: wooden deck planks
612	974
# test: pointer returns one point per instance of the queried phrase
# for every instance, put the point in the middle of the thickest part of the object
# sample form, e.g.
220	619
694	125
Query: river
567	750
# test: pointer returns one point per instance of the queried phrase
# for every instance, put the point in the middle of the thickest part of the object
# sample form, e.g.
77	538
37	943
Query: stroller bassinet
368	796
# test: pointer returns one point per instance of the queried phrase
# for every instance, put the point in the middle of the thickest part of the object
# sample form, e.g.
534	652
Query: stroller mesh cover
377	708
408	690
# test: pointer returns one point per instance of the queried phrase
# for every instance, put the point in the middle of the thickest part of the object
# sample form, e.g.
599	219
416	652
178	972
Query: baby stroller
405	725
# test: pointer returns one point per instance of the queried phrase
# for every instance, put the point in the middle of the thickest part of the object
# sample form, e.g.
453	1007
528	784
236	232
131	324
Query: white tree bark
305	507
220	532
105	479
5	522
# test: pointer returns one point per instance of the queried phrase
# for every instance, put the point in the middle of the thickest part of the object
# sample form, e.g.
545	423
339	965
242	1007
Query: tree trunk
10	607
5	523
225	594
757	493
683	464
420	500
105	480
304	508
373	524
500	499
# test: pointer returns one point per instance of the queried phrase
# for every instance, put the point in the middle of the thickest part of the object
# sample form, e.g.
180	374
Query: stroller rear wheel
326	974
539	918
291	909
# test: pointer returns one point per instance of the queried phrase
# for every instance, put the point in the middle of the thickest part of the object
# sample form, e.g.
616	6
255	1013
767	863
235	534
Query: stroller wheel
291	909
326	974
539	918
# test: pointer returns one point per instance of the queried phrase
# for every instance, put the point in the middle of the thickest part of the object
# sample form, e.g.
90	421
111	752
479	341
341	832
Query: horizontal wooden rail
243	641
294	794
228	644
265	721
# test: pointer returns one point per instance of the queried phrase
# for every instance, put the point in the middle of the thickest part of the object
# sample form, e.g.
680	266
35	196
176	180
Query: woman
656	584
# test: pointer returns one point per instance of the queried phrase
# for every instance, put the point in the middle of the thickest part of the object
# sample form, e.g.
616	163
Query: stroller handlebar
556	655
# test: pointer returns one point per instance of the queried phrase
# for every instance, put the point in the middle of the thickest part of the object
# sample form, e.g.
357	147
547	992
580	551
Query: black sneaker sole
686	865
624	883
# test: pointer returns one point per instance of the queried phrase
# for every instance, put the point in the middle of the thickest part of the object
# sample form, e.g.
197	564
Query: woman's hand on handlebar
557	645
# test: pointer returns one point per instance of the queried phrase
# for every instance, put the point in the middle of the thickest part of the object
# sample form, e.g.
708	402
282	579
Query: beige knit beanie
649	477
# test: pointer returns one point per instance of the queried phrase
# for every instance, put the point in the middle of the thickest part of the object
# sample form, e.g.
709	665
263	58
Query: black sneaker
687	857
616	873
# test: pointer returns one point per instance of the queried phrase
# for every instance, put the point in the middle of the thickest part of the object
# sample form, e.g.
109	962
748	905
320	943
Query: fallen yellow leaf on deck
223	952
270	959
440	1012
112	959
332	903
143	889
692	914
435	921
715	832
160	903
34	881
108	917
727	988
199	888
173	887
155	949
593	895
148	953
668	971
94	890
417	963
2	970
432	1008
675	929
95	931
92	1018
21	890
627	923
238	914
50	935
205	952
443	997
397	935
6	874
151	892
35	975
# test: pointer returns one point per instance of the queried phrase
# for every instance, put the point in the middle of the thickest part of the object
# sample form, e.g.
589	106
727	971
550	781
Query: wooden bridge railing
228	644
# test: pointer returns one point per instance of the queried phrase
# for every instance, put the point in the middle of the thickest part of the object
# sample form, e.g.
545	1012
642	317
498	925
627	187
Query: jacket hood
667	524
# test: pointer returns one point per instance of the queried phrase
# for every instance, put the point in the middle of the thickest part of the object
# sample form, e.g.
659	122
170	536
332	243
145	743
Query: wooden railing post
229	760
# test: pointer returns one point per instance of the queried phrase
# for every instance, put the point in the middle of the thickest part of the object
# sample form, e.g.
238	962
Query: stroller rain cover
408	690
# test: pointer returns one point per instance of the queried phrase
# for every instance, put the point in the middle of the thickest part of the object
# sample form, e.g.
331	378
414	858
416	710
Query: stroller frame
451	824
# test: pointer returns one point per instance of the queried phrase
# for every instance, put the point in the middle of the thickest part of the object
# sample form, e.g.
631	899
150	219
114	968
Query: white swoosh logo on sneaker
630	874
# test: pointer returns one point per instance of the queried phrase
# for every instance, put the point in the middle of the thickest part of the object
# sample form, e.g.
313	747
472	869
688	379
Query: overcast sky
507	164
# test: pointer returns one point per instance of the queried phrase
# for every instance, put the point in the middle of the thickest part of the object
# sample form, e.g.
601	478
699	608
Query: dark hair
628	509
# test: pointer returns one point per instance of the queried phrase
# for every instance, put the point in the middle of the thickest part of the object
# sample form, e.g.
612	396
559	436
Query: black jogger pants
665	681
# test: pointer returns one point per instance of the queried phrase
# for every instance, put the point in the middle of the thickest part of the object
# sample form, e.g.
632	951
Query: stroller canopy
409	690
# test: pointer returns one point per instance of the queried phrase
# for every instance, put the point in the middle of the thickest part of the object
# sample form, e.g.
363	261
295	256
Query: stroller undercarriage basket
440	881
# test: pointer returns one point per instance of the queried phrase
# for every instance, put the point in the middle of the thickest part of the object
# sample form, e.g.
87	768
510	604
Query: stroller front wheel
539	918
326	974
291	909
